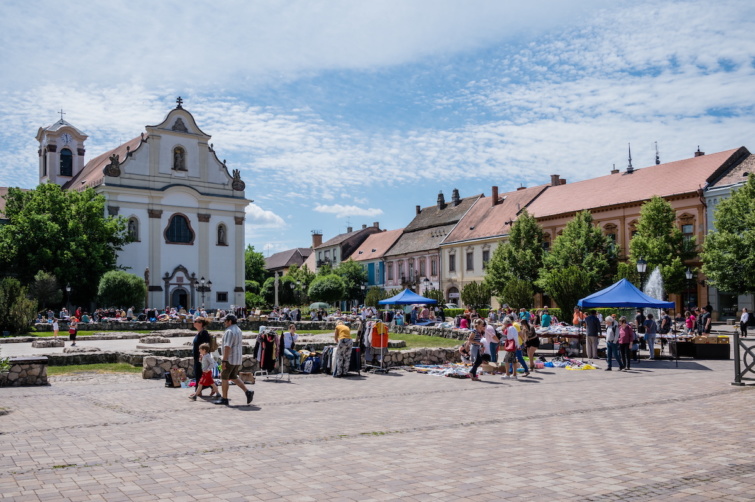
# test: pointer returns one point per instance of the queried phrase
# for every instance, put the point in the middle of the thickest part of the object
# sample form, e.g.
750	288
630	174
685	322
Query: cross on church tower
61	112
180	102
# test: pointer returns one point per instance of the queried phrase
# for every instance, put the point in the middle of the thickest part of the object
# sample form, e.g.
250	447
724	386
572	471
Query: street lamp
642	266
68	297
202	288
688	275
426	282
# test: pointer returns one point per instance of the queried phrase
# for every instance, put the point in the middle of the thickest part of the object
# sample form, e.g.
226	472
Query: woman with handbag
626	339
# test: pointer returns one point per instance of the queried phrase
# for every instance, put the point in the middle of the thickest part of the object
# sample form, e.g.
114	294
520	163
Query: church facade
185	211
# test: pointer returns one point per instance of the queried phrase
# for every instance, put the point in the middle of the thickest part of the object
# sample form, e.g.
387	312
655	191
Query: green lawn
422	341
93	368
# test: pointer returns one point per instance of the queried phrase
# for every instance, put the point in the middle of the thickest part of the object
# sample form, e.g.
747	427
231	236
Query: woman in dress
531	342
202	336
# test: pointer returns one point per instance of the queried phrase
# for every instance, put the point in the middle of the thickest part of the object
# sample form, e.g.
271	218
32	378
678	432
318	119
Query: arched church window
179	159
133	229
66	162
179	230
222	235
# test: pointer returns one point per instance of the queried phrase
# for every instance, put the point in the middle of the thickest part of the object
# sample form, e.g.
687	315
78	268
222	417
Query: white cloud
342	211
262	218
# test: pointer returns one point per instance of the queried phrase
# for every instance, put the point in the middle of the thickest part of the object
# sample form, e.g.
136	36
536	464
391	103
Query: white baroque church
185	211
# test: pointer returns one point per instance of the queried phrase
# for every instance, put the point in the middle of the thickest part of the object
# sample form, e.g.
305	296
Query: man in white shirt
743	321
232	355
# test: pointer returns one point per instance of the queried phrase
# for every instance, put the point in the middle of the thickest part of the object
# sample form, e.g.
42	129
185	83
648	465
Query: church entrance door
179	298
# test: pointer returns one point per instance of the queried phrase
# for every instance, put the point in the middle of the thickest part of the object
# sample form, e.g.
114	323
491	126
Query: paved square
655	433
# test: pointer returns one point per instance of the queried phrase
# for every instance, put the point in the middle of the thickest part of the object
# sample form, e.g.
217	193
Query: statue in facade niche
178	159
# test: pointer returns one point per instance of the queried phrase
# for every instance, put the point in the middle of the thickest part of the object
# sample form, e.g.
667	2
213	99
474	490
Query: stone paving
655	433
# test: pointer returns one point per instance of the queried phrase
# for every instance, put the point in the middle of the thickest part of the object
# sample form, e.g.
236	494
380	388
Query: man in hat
232	353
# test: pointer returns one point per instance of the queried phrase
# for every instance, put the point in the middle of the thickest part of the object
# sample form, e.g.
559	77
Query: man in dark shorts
232	353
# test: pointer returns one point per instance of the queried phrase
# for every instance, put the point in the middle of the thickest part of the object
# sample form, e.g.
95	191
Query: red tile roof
673	178
92	174
486	220
376	245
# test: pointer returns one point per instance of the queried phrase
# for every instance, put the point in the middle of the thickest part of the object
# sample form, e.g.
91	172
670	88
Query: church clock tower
61	152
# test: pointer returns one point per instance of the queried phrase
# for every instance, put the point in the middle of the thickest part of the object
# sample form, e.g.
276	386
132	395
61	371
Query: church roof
664	180
737	175
59	125
92	174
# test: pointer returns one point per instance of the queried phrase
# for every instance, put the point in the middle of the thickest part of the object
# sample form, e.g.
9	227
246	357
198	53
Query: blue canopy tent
623	294
407	297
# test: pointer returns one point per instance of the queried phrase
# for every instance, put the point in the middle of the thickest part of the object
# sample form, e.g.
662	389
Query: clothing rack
376	333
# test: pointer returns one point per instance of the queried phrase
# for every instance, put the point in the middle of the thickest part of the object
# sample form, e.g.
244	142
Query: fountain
654	289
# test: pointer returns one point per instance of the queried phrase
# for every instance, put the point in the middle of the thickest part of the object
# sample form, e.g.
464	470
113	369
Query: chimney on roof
563	181
494	195
554	180
441	200
614	170
658	155
698	153
364	225
376	224
349	230
316	238
455	197
418	209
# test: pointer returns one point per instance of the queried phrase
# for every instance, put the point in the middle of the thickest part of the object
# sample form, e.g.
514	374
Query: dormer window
66	162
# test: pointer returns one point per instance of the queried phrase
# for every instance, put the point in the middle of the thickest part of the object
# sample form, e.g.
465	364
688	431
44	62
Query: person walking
202	337
626	339
531	343
612	343
592	326
493	341
342	354
232	356
512	340
56	327
476	348
743	321
651	330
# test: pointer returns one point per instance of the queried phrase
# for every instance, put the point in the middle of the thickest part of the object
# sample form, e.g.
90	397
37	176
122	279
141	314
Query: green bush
121	289
16	310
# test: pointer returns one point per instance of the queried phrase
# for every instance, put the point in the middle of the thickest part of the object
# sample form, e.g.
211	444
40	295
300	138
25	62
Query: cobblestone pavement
655	433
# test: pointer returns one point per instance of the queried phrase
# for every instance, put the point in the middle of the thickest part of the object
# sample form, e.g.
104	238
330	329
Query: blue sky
350	112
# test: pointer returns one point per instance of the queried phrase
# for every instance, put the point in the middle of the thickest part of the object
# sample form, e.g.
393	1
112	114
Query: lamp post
293	291
202	288
364	294
642	266
688	275
68	298
426	282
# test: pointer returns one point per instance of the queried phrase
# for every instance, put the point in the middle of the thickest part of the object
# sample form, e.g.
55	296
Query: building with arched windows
185	211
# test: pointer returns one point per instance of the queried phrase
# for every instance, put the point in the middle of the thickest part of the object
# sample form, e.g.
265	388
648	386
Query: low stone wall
25	371
163	326
453	334
132	358
46	343
155	366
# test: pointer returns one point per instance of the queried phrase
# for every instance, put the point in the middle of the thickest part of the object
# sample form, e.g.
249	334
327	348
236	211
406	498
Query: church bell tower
61	152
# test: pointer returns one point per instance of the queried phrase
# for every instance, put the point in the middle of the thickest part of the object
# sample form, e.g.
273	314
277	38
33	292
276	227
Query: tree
327	288
661	244
517	293
435	294
16	310
476	295
567	286
520	257
62	232
729	252
303	278
253	300
254	265
121	289
374	295
354	277
286	293
45	289
580	262
252	286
